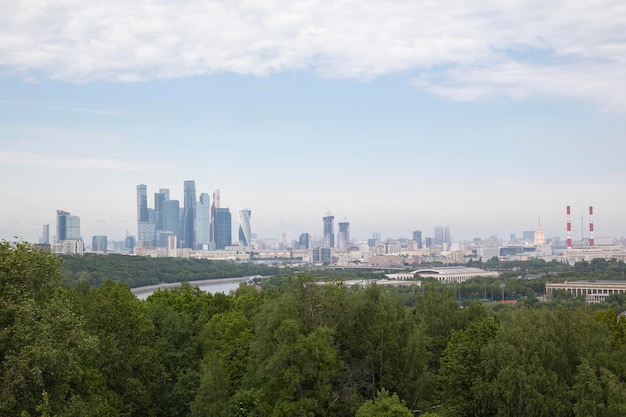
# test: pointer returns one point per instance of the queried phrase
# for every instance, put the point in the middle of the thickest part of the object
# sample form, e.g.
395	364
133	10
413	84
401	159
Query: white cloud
47	161
461	50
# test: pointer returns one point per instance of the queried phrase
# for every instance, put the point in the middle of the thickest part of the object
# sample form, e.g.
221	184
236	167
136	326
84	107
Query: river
223	285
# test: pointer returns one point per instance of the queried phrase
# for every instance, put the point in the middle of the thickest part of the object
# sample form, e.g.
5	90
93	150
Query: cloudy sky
485	116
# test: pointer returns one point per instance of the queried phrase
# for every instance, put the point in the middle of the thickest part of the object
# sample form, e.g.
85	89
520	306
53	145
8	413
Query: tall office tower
68	226
145	225
188	217
305	241
99	244
129	244
45	239
442	235
223	228
245	231
428	242
203	222
329	231
343	237
159	198
142	203
417	237
171	217
214	206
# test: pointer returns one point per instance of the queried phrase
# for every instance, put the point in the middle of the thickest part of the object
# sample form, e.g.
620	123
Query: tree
384	405
44	348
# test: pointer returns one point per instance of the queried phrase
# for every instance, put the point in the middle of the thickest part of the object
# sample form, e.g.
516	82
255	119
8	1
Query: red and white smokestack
569	228
591	242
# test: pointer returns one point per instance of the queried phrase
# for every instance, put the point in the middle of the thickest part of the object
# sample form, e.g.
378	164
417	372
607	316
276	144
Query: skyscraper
159	198
171	216
145	225
245	231
142	203
99	243
329	231
214	206
187	230
68	226
305	241
343	237
203	222
222	232
45	239
442	235
417	237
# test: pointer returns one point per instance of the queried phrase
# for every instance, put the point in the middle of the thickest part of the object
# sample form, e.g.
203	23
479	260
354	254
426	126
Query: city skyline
395	116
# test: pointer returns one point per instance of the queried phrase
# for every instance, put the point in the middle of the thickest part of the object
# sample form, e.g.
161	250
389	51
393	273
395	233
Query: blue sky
397	117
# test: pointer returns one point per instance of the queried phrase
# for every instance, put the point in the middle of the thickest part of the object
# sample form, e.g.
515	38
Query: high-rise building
68	226
171	217
142	203
222	232
214	206
343	237
145	224
45	239
245	231
187	230
129	244
329	231
203	222
305	241
442	235
159	198
417	237
99	243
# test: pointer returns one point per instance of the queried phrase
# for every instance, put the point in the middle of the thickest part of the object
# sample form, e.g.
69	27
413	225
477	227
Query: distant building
442	235
454	274
593	291
417	237
171	217
222	232
99	244
129	244
73	247
45	238
329	231
245	230
203	222
539	237
343	237
321	255
68	226
187	234
305	241
528	235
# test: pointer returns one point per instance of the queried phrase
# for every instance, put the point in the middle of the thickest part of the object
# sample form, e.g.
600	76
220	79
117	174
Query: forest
297	349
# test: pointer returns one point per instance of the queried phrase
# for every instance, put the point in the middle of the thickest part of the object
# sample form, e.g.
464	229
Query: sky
485	116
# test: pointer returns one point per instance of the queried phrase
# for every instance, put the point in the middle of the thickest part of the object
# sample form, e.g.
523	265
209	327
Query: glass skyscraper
329	231
187	235
222	224
68	226
245	232
203	222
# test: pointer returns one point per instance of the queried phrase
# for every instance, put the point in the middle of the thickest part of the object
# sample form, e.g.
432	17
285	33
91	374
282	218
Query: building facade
343	237
222	231
68	226
329	231
245	230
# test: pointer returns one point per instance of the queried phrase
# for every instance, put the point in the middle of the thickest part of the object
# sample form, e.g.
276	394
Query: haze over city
484	117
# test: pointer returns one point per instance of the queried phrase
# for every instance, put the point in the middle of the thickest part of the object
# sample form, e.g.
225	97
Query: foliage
302	349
